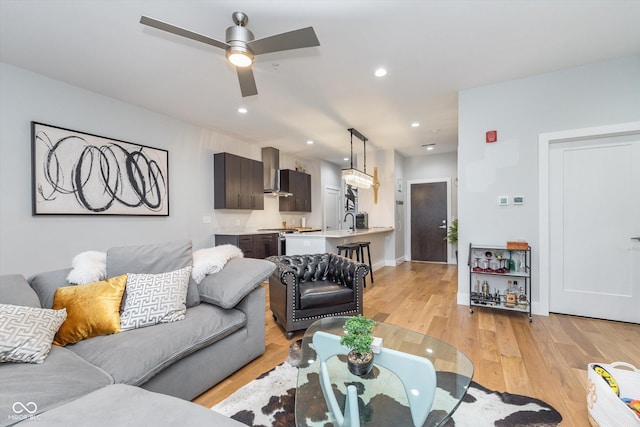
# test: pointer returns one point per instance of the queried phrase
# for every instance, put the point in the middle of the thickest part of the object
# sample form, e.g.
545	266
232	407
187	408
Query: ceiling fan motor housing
237	35
237	38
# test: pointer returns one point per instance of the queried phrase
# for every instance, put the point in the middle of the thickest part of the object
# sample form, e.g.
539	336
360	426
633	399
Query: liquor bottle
511	298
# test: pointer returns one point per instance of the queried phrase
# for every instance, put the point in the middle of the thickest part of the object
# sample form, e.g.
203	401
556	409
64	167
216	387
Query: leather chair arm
285	272
346	272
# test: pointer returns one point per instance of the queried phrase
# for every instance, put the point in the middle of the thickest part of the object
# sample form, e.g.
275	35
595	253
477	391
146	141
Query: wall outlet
206	219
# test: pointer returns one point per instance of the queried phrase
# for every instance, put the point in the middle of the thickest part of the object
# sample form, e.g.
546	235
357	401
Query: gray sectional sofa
129	376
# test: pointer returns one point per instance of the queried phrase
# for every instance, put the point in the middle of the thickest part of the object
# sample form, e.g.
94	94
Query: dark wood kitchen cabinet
238	182
298	184
252	245
265	245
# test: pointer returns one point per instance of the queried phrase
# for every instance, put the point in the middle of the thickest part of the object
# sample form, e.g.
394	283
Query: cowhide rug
270	401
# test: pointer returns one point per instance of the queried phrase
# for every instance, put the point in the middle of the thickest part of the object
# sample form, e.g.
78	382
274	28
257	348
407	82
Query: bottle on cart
511	297
522	300
485	288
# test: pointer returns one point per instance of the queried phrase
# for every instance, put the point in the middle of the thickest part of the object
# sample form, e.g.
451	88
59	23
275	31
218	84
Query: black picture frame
350	198
78	173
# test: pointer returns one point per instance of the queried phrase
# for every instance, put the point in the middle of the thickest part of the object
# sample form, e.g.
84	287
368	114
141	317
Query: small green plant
358	334
452	234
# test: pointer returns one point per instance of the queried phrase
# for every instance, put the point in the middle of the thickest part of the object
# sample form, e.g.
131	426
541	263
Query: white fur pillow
88	267
211	260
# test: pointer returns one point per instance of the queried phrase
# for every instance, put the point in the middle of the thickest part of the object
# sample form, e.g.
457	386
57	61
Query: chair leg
361	251
370	266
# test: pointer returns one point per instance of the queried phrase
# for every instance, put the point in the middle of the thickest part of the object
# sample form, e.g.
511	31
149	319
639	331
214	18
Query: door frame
407	240
545	140
339	205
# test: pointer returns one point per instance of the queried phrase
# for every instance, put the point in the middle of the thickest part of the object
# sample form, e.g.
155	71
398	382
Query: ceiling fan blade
296	39
247	82
151	22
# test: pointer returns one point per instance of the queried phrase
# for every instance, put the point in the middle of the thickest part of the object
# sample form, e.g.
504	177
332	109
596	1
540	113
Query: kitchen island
317	242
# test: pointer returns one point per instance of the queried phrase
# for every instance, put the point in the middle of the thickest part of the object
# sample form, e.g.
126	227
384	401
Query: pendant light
353	176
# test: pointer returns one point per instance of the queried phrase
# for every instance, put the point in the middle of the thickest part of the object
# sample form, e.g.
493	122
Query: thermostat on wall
503	200
518	200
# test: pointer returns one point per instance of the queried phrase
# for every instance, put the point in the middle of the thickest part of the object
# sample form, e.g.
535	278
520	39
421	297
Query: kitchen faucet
353	220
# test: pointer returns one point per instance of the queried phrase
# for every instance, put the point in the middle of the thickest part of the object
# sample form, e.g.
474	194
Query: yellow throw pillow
92	309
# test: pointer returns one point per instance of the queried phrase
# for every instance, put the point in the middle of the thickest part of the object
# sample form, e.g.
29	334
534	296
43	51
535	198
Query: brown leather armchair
305	288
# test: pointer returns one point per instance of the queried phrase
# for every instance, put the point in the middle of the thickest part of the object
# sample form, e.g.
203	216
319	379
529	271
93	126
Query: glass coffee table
382	399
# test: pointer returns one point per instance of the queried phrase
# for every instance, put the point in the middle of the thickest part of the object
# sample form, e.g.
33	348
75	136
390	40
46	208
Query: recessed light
429	146
242	110
346	159
380	72
415	124
310	142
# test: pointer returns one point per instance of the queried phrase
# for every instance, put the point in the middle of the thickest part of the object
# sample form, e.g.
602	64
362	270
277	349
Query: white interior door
331	208
594	214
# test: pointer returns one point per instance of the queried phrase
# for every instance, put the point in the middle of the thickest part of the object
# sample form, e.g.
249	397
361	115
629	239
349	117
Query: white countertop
339	234
263	231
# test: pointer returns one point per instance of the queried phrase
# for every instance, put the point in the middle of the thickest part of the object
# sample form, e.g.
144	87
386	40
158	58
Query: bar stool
363	245
350	249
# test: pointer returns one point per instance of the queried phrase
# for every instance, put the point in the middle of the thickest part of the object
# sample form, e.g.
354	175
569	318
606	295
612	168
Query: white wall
30	244
434	166
431	167
593	95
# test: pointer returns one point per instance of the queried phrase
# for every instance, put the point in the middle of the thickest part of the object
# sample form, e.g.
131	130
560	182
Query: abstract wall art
76	173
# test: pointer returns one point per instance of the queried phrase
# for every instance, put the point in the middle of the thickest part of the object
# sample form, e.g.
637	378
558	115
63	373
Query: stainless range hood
271	172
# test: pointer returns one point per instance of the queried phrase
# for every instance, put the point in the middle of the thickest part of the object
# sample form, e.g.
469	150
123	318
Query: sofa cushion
155	298
15	290
123	405
46	283
62	377
154	259
26	333
230	285
135	356
323	293
92	310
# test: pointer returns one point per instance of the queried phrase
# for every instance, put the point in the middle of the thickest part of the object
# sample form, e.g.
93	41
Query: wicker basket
604	406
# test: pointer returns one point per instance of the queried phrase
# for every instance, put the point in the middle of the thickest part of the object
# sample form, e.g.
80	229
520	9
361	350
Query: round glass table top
382	399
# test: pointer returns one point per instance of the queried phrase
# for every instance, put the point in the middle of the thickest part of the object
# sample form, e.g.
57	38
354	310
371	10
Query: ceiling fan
241	46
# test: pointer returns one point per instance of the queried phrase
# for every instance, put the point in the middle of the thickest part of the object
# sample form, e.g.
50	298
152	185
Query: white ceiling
431	48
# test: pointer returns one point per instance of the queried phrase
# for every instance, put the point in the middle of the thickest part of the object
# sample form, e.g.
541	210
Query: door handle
635	238
442	226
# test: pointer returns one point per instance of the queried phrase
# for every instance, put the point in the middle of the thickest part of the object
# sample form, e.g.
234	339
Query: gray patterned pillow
155	298
26	333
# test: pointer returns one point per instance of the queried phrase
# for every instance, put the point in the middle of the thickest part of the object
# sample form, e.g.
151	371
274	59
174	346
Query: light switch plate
503	200
518	200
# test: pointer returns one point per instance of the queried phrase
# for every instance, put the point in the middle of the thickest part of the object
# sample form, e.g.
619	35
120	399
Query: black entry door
429	222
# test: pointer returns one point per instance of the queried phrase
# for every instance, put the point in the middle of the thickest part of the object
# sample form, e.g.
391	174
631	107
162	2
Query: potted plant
358	336
452	235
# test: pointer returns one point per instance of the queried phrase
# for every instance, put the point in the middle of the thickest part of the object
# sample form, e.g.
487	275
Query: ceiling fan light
240	59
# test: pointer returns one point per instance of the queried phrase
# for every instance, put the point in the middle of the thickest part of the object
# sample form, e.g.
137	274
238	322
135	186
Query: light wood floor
546	359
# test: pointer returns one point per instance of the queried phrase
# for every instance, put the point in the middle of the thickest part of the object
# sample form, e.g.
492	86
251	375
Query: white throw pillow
26	333
88	267
155	298
211	260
